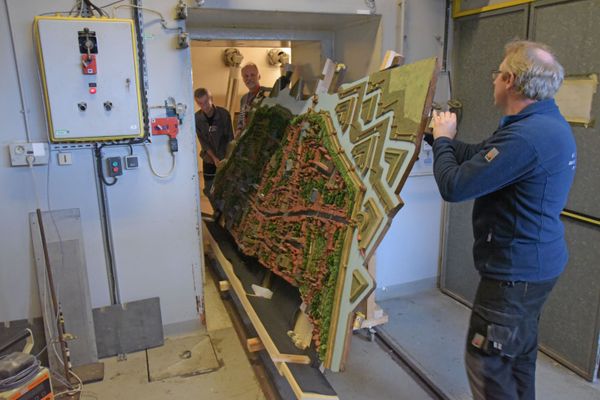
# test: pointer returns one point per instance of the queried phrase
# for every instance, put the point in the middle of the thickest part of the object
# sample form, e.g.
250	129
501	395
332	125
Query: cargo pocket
494	332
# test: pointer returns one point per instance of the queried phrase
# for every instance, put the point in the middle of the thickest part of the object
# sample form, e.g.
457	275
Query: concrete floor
370	372
431	328
234	380
125	380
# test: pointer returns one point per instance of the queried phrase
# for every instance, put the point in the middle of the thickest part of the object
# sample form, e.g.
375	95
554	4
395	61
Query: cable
98	154
112	4
168	174
21	378
92	7
41	351
162	18
163	21
75	9
70	391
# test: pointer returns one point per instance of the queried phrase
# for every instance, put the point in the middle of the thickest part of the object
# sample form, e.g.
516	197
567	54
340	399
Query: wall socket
22	153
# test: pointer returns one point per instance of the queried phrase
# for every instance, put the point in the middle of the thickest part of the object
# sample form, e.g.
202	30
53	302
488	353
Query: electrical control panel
90	78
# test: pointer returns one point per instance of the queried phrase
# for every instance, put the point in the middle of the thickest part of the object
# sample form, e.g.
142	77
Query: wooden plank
254	344
374	314
302	333
326	77
240	292
372	268
380	320
291	359
300	395
391	59
224	286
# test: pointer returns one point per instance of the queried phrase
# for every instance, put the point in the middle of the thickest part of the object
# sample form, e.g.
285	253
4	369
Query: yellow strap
582	218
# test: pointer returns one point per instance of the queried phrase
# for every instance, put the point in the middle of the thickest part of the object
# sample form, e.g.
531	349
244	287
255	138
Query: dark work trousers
208	170
502	340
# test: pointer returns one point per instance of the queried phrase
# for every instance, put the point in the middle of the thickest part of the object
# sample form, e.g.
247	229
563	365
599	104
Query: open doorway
211	71
310	37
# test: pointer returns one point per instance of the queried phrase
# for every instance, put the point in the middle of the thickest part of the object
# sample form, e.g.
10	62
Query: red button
93	90
115	169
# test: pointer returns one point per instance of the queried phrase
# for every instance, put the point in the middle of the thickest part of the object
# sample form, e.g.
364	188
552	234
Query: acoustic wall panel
478	49
570	323
571	28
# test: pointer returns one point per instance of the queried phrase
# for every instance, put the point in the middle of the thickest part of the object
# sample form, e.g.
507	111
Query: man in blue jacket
520	179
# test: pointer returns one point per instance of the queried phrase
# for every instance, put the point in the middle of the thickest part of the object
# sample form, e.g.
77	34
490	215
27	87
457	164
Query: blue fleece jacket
520	178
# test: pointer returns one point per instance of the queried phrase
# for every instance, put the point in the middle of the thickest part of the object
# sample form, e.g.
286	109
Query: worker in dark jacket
520	179
214	131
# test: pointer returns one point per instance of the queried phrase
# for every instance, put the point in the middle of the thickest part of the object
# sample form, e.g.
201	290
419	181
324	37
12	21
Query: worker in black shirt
214	131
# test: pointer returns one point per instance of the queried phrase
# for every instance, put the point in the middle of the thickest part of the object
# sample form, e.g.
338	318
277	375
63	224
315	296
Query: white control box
90	78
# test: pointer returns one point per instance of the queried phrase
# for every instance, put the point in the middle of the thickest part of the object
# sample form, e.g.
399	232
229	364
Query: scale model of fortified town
312	186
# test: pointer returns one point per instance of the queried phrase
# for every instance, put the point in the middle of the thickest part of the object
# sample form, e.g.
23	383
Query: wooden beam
301	395
254	344
292	359
224	286
326	77
391	59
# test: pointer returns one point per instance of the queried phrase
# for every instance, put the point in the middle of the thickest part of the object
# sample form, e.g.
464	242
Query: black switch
115	166
87	41
173	144
131	162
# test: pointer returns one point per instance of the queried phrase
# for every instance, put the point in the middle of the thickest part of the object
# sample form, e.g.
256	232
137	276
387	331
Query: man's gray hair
250	65
538	75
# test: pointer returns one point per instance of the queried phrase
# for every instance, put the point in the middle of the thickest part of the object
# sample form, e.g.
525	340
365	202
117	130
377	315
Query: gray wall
478	45
154	222
407	258
387	9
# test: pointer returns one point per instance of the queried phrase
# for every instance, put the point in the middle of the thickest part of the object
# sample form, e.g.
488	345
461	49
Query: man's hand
444	124
215	159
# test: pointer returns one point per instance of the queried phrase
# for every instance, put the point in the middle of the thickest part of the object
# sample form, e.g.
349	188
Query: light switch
65	159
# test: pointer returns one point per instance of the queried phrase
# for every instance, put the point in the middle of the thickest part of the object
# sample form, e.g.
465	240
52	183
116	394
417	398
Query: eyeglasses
495	74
